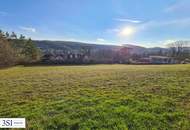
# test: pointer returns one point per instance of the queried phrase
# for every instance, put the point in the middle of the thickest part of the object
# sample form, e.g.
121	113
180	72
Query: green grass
103	97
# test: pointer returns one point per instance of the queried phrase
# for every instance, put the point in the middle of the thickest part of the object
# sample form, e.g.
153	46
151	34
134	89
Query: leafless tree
179	48
6	53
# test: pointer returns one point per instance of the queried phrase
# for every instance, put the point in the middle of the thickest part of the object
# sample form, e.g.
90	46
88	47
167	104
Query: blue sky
141	22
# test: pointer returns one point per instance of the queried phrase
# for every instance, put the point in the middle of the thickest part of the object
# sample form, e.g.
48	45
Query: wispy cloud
127	20
28	29
181	5
112	30
128	31
125	30
2	13
100	40
177	23
166	42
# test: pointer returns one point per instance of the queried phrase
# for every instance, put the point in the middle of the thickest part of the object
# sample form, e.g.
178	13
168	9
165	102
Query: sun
127	31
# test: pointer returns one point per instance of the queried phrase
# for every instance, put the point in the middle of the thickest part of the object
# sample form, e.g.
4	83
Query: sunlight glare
127	31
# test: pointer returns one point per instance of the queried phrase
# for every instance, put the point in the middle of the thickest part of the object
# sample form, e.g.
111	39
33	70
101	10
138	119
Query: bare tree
179	48
6	52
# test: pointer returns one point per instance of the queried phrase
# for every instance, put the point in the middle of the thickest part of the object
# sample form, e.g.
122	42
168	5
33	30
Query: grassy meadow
102	97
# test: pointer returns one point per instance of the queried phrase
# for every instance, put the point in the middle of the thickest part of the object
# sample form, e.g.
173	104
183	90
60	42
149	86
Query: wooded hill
70	45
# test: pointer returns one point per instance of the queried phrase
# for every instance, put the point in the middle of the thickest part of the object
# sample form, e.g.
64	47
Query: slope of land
70	46
98	96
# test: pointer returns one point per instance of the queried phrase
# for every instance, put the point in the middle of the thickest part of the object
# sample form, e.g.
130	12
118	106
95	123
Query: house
162	60
143	61
186	61
124	55
126	51
62	57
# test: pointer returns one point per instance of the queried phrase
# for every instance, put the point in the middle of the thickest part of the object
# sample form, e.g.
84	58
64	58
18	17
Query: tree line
179	50
16	50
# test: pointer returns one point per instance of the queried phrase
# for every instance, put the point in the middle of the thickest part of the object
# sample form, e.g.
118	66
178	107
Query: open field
105	97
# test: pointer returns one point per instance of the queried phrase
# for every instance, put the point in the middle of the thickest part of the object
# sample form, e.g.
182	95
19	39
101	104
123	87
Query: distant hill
69	45
136	49
140	49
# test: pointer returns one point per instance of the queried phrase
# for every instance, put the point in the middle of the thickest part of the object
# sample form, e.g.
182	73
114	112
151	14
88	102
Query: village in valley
177	53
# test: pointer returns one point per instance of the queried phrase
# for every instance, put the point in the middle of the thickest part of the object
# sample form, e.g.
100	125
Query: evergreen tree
24	49
30	51
7	35
13	35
